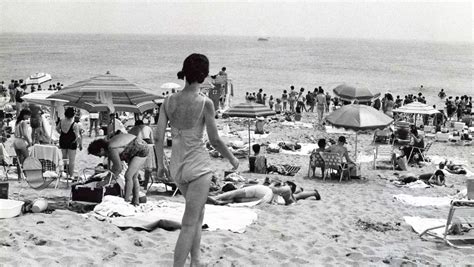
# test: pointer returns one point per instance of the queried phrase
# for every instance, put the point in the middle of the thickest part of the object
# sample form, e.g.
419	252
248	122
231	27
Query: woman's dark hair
284	91
69	113
96	145
292	185
322	143
195	68
414	131
256	148
138	122
21	116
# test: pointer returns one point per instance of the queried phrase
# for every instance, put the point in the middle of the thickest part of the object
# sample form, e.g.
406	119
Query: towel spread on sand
430	201
305	149
423	201
297	124
146	216
244	135
415	184
420	224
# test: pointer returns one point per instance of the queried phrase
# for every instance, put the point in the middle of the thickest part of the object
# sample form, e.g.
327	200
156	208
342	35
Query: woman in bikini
128	148
69	138
23	137
188	113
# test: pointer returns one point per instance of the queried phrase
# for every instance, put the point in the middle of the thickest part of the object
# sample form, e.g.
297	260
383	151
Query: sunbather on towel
279	194
436	178
452	168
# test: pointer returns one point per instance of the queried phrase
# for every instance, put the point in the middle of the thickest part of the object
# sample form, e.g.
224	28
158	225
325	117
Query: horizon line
306	38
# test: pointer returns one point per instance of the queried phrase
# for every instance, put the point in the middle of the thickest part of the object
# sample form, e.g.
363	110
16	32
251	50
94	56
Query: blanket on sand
429	201
146	216
420	224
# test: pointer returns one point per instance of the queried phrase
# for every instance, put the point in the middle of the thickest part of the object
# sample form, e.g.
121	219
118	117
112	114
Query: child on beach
278	106
257	162
284	99
271	102
188	113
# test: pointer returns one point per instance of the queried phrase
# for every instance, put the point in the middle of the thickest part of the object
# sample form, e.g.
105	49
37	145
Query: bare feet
316	195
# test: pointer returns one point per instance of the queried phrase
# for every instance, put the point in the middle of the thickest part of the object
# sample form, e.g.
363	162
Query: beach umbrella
350	93
358	117
417	108
249	110
38	78
105	89
138	108
170	86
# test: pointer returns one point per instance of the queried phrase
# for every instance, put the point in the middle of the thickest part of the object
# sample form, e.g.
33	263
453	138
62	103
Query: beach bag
88	192
402	163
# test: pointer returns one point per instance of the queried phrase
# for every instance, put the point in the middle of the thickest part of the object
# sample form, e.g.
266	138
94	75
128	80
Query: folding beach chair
333	162
442	137
422	151
166	180
383	153
460	222
429	131
315	161
33	170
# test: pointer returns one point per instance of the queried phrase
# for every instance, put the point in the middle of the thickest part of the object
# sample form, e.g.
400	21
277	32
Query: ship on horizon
263	39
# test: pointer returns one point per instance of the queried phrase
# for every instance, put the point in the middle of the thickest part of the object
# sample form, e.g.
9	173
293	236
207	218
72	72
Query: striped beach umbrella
138	108
417	108
249	110
42	98
105	89
38	78
350	93
358	117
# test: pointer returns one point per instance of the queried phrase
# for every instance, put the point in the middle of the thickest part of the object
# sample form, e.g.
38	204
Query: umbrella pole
53	111
249	135
355	155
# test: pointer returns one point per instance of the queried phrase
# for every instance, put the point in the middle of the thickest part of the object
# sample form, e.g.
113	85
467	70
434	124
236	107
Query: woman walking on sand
188	112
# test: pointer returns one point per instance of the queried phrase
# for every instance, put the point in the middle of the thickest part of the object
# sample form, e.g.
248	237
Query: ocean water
399	67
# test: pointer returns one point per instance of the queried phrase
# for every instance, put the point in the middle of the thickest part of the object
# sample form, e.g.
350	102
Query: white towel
423	201
420	224
216	217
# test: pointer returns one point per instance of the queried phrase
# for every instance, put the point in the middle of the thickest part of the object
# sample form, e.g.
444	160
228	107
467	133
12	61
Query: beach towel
423	201
415	184
146	216
305	149
297	124
420	224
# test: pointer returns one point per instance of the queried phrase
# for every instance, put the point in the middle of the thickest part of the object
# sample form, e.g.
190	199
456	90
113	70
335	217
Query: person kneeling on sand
285	194
128	148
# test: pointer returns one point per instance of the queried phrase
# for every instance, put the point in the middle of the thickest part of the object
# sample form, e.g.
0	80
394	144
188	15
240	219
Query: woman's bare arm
214	139
159	136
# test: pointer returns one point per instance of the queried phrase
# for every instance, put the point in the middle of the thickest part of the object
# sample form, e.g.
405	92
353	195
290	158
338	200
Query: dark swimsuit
68	140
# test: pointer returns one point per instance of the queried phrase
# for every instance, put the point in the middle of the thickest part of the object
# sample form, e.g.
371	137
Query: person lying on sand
452	168
436	178
285	194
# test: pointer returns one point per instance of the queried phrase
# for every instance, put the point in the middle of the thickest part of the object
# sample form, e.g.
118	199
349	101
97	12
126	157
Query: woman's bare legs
189	240
304	195
131	179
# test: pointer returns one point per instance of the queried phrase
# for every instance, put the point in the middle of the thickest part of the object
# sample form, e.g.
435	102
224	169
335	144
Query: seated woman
273	193
127	148
257	163
314	155
416	141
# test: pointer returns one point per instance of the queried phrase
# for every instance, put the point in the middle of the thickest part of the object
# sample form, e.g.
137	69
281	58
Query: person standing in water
188	113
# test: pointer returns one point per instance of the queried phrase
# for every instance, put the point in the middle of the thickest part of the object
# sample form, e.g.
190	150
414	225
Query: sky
402	20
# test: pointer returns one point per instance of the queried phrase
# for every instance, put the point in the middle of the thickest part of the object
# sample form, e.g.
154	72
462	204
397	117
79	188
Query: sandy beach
357	222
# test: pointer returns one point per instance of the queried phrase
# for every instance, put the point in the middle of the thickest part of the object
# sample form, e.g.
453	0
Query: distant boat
263	39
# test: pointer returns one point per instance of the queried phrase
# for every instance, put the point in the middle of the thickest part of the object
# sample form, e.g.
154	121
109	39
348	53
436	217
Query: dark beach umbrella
350	93
249	110
358	117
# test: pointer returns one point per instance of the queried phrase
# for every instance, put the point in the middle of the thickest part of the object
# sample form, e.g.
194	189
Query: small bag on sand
402	163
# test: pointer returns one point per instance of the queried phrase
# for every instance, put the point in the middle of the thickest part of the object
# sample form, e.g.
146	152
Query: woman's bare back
183	109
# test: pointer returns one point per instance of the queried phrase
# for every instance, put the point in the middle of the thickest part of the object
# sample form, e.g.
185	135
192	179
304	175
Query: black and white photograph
236	133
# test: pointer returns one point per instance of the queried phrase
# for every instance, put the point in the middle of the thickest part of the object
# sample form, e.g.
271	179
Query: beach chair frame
422	151
333	161
466	209
315	161
33	170
384	153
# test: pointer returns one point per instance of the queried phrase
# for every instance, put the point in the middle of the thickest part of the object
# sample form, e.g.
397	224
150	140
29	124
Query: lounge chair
429	131
422	151
459	126
33	170
460	219
442	137
333	161
315	161
382	136
384	153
